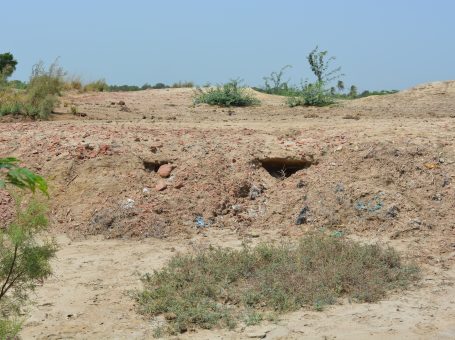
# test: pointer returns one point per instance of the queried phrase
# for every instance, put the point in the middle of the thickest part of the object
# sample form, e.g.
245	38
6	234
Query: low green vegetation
221	287
17	84
274	84
183	84
229	94
128	88
376	93
311	94
24	258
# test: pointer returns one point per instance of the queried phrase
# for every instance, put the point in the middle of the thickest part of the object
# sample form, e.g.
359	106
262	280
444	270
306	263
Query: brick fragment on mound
160	186
165	170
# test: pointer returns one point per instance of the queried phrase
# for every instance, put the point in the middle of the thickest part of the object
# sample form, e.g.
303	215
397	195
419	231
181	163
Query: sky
386	44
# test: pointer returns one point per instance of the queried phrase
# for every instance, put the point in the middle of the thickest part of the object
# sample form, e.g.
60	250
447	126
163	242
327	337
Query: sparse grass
11	102
126	88
96	86
229	94
74	110
9	329
73	83
219	287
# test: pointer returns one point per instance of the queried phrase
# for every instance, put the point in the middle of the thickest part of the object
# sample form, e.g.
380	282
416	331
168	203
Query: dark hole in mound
283	167
153	166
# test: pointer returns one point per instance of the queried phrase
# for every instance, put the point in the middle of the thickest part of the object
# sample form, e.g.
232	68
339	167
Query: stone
165	170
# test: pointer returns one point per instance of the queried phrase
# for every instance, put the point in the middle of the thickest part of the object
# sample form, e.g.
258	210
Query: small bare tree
24	261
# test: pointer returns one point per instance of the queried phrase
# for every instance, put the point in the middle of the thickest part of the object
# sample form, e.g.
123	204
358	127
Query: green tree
353	91
320	65
340	85
24	261
7	64
317	93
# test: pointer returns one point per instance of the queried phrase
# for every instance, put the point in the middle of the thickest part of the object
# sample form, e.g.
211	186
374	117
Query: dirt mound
102	181
245	174
438	88
248	168
427	100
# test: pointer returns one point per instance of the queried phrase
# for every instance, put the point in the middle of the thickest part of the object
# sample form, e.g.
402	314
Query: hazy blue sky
380	44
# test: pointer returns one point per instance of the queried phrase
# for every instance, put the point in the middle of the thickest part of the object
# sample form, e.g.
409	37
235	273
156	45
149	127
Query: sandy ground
88	298
375	169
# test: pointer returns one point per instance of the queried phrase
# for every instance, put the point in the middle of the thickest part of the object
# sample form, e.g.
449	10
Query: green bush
220	287
274	84
229	94
39	98
312	94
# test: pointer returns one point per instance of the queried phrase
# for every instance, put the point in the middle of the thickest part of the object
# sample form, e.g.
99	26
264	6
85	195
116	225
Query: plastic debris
200	222
339	187
371	206
303	216
338	234
128	204
393	211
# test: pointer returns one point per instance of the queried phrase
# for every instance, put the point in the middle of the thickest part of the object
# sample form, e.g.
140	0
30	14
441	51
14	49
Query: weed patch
96	86
220	287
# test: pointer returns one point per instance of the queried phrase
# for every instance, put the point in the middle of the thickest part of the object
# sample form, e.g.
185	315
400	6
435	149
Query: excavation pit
153	166
283	167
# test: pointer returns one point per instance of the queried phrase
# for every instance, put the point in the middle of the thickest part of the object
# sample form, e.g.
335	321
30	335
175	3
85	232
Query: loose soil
380	168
